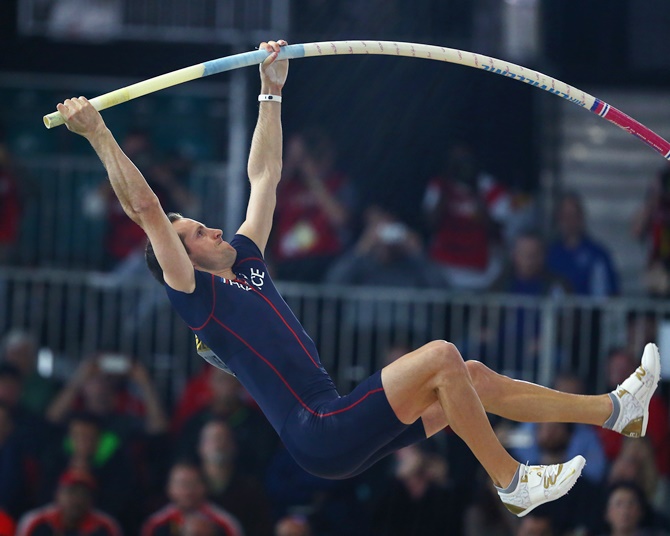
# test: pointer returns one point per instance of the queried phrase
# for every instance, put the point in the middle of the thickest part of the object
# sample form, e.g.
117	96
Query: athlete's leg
625	410
437	372
527	402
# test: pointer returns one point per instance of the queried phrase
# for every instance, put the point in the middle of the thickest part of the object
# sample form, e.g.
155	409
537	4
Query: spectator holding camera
388	253
119	394
466	210
103	385
315	202
85	446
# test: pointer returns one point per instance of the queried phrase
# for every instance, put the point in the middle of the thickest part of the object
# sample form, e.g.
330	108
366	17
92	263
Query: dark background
393	117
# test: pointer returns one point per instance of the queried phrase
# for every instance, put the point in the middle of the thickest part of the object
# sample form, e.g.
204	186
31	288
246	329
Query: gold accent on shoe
633	428
524	479
551	480
621	392
572	472
516	510
640	372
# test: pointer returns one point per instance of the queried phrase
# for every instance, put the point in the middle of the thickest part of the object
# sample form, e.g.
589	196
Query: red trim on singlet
297	397
211	313
242	281
250	259
286	324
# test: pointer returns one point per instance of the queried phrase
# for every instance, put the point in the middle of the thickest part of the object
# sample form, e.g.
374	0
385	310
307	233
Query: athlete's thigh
345	432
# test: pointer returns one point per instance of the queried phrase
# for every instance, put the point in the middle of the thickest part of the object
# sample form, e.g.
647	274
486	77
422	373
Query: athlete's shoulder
246	249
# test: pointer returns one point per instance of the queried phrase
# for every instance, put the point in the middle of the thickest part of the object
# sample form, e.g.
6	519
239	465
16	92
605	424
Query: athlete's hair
150	255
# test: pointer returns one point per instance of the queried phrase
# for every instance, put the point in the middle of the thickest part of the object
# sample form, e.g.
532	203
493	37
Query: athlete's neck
226	274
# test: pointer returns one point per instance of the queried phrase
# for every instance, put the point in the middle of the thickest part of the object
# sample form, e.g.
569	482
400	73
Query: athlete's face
206	247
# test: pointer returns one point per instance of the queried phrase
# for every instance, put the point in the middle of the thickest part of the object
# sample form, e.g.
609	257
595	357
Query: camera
392	233
114	363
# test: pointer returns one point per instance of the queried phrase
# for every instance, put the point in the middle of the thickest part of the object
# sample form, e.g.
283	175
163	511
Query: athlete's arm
265	157
136	197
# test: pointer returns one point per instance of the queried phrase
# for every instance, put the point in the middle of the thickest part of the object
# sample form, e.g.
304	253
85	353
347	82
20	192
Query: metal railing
193	21
78	313
55	229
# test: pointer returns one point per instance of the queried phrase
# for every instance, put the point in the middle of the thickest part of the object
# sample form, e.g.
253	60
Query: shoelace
548	473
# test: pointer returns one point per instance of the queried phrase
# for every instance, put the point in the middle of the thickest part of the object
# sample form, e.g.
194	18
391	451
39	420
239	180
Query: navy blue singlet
255	335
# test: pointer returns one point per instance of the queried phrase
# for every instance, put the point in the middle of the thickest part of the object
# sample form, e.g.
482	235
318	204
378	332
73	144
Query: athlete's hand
273	73
80	117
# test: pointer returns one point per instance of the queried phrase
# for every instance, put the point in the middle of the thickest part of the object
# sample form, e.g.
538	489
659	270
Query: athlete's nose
218	233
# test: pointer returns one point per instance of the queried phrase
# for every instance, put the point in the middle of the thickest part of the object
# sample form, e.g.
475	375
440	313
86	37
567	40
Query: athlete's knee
448	360
480	374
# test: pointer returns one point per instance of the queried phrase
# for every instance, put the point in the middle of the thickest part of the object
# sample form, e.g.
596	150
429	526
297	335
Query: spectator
651	224
575	256
315	202
626	513
419	499
535	525
10	206
388	253
119	393
188	496
635	463
7	525
240	494
569	438
20	348
619	364
519	329
528	274
100	386
552	441
256	438
124	240
464	208
293	525
71	513
88	447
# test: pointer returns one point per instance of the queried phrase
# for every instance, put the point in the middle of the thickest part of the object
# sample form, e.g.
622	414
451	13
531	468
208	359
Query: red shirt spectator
465	209
171	519
188	496
72	512
314	203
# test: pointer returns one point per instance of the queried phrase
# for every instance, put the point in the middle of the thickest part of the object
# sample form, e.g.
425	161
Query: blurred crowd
471	232
101	453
